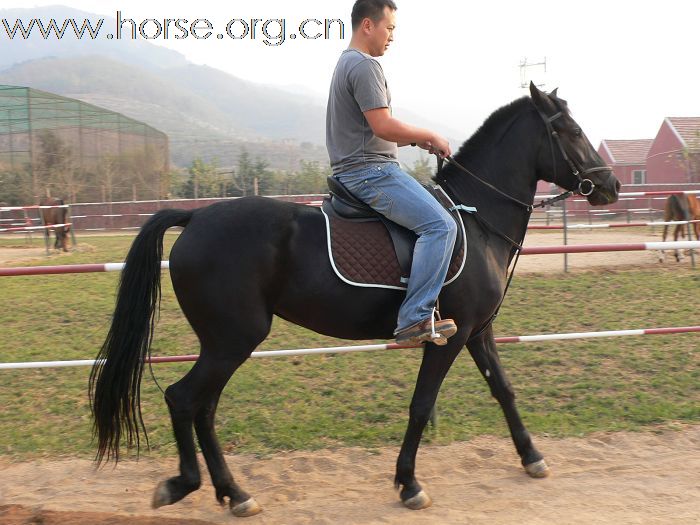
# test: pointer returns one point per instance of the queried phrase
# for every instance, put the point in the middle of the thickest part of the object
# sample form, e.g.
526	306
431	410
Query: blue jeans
401	199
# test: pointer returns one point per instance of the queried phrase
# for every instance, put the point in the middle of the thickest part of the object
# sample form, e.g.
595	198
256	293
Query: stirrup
433	334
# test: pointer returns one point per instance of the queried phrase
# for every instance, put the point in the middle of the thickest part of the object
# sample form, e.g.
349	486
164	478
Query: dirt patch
18	254
610	478
19	515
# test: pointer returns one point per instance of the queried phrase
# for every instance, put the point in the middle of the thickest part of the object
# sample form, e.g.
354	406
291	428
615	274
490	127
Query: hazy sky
622	65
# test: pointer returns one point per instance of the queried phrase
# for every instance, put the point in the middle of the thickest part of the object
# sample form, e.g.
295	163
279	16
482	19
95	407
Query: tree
142	172
204	181
105	176
177	183
422	169
311	178
15	188
252	177
54	169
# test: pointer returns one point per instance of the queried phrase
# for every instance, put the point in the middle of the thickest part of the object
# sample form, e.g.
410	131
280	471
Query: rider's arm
389	128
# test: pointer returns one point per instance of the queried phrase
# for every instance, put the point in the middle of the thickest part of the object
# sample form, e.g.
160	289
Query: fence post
28	222
47	236
433	416
690	238
72	227
566	238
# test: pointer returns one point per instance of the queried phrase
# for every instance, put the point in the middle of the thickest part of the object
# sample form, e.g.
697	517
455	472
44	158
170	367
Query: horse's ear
537	96
554	93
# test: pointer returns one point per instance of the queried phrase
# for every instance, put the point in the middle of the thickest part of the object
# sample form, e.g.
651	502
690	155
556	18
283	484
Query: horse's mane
493	123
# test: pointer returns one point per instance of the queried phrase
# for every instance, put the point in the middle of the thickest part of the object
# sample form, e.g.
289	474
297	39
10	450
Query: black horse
236	264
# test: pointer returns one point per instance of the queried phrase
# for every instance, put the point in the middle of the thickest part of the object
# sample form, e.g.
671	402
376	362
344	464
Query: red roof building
627	158
674	157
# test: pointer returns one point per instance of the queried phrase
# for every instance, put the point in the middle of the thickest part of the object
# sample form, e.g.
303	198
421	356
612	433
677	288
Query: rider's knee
451	227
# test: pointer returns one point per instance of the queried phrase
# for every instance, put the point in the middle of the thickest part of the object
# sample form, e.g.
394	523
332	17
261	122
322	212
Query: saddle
366	249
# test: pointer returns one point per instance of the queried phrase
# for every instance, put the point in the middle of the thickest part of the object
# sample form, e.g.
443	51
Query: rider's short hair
372	9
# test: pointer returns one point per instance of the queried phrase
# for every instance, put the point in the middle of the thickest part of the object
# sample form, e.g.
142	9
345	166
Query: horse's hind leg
181	399
679	231
240	503
193	400
485	354
662	254
227	340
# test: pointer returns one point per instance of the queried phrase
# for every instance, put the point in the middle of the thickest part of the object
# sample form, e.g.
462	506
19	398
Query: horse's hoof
419	501
249	507
161	496
538	469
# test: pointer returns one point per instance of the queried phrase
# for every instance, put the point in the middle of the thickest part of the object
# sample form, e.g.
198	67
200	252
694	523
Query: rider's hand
437	145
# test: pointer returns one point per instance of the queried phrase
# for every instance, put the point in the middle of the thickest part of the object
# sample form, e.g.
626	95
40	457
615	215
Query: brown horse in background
51	216
681	208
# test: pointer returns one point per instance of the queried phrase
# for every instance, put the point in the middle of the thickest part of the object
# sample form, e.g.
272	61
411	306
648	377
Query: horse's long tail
677	208
115	379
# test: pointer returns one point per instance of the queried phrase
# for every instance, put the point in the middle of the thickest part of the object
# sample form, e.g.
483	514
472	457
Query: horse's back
694	206
677	208
53	215
235	231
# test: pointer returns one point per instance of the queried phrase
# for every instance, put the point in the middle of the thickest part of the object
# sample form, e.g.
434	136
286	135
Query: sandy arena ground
614	478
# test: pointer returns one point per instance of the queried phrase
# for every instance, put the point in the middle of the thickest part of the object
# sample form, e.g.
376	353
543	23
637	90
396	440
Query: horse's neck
510	166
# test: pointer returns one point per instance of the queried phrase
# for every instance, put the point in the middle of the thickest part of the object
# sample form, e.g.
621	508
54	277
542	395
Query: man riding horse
362	139
236	264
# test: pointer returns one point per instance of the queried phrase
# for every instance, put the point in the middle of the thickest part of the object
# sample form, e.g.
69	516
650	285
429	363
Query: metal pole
566	238
690	238
30	139
47	236
27	222
433	416
72	227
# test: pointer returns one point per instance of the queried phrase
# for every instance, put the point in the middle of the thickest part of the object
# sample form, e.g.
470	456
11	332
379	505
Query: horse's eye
578	132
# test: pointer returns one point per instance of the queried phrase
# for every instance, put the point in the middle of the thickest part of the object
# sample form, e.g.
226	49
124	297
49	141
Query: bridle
585	188
585	185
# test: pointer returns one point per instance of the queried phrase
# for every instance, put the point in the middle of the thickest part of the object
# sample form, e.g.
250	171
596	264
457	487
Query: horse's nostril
617	186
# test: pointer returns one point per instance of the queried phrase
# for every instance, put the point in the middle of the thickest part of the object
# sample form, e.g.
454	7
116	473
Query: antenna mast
524	77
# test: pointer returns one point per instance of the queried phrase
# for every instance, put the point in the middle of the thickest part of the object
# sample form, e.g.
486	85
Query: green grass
564	388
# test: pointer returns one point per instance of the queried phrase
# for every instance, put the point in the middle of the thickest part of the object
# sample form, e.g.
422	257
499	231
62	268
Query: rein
585	187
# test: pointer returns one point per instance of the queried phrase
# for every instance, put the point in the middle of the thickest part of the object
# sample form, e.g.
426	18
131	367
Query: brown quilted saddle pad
362	253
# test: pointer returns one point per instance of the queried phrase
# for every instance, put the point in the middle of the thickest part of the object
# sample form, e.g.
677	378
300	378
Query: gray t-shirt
358	85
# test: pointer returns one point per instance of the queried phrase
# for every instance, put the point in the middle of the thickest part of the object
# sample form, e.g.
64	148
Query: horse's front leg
436	362
485	354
